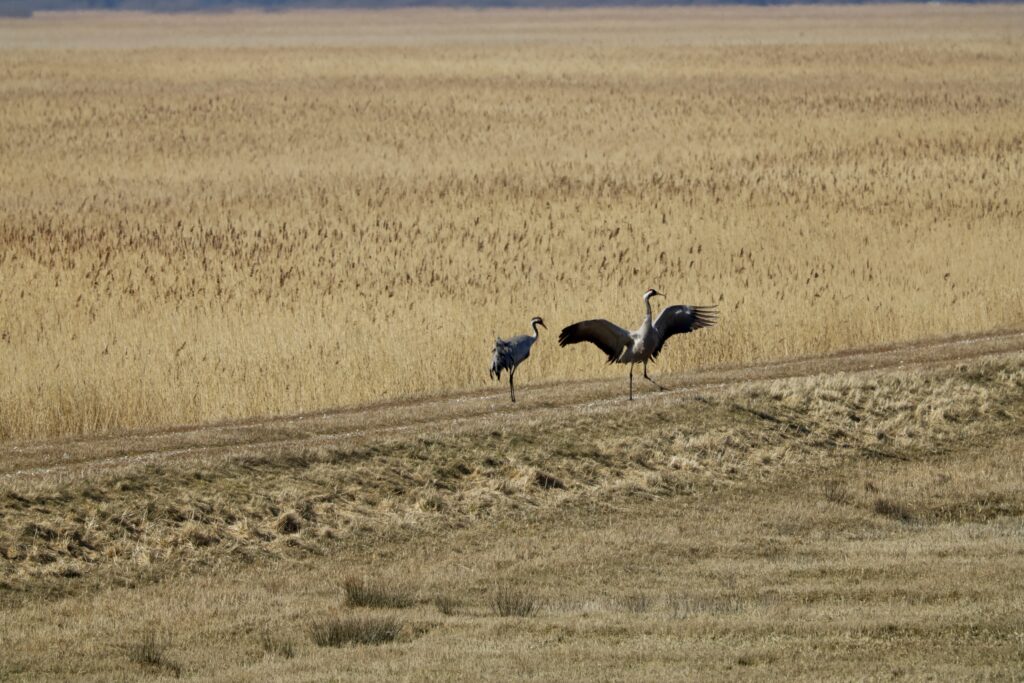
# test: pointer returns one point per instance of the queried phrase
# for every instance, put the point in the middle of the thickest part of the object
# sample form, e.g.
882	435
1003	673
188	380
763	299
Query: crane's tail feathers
502	359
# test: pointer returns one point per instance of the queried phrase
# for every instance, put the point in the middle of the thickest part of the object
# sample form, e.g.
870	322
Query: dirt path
78	458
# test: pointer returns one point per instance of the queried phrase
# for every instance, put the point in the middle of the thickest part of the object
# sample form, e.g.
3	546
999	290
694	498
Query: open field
231	216
844	517
208	220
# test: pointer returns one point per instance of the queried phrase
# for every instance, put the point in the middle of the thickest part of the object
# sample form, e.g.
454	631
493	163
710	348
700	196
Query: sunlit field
835	525
210	217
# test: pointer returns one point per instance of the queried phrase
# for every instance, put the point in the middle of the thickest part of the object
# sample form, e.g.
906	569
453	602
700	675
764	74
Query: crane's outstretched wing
682	319
607	336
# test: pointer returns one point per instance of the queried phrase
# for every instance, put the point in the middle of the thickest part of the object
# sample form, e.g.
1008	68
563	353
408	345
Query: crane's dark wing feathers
502	358
605	335
682	319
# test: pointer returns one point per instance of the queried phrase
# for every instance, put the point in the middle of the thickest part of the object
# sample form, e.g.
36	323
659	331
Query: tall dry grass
341	209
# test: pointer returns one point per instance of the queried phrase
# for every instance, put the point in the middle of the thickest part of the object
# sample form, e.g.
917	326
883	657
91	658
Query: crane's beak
541	323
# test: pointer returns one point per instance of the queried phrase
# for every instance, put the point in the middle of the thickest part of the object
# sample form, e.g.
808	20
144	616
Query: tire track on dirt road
79	458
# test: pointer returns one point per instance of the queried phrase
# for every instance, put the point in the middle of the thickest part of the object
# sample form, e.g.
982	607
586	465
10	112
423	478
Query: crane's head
539	321
652	292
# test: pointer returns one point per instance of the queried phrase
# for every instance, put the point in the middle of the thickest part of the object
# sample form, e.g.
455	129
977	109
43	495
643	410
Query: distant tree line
27	7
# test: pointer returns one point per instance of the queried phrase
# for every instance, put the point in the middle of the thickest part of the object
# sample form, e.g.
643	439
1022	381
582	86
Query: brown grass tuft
276	645
892	509
289	523
377	592
835	492
150	650
361	630
513	601
446	604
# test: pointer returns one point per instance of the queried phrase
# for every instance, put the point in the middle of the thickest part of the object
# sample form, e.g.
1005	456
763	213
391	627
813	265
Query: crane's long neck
647	304
536	332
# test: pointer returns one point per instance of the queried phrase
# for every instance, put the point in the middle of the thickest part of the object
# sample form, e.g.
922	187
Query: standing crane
644	344
509	353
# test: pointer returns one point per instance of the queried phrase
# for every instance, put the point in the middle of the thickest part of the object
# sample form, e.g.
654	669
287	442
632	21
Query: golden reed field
209	217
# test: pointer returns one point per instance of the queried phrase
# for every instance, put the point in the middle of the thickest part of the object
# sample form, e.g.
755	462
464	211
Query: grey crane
644	344
509	353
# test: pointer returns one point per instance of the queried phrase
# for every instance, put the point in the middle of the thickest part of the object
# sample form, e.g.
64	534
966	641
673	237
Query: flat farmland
253	264
229	216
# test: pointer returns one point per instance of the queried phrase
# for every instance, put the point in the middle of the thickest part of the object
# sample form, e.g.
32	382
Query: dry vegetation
207	217
246	215
832	526
249	506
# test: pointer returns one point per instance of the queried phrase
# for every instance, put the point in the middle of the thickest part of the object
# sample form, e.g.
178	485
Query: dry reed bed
195	233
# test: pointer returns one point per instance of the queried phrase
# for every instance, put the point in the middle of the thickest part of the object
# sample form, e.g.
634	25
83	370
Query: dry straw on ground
239	222
841	526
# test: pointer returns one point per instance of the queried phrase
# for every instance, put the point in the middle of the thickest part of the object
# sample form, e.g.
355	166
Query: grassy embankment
843	525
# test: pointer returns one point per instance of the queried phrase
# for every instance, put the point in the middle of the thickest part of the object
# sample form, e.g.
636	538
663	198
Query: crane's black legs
648	378
512	384
630	381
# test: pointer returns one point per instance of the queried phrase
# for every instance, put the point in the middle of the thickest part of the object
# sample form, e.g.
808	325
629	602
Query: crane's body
644	344
509	353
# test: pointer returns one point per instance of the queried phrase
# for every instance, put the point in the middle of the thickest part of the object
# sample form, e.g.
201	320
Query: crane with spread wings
642	345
